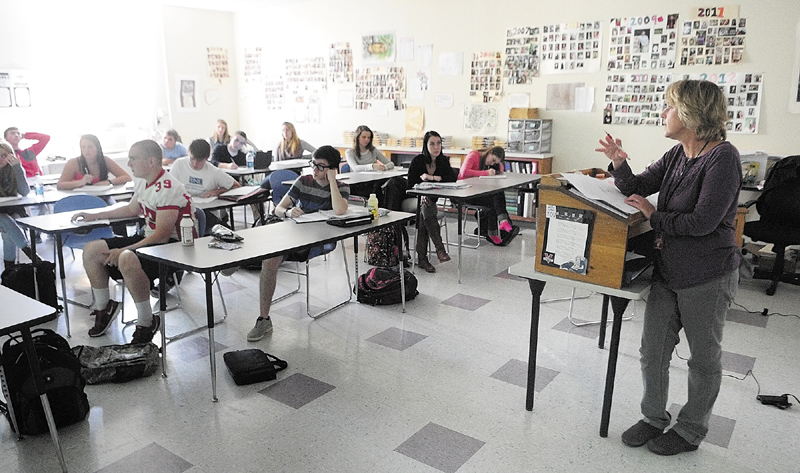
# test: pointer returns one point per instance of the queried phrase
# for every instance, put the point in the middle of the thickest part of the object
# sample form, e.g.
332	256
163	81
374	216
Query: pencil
608	135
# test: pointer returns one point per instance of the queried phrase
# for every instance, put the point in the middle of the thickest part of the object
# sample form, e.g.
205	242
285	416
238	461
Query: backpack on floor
63	383
117	363
20	278
380	286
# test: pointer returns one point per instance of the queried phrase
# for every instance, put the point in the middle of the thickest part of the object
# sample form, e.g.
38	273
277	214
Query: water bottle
187	231
372	205
38	187
251	157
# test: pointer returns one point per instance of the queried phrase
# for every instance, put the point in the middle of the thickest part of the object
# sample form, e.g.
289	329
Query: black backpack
63	383
780	199
20	278
380	286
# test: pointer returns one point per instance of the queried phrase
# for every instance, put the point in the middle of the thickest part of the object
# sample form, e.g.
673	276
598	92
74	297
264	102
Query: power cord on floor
765	312
781	401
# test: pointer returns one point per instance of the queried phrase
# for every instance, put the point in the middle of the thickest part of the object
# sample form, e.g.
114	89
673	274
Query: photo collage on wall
743	91
218	63
643	42
522	55
273	92
635	99
571	47
714	41
486	77
252	64
306	74
340	66
380	83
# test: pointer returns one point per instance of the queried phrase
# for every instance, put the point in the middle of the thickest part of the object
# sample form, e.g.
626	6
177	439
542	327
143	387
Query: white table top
53	195
290	164
20	310
62	222
479	187
637	290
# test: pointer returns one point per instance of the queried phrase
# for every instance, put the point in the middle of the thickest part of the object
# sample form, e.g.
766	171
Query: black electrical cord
764	312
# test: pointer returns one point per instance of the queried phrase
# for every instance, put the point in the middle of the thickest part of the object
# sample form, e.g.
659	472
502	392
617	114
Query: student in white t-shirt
201	178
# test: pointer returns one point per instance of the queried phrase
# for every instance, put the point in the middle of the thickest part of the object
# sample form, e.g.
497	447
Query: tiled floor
438	388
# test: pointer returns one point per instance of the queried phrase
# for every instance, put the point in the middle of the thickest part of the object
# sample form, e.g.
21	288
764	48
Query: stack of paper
481	142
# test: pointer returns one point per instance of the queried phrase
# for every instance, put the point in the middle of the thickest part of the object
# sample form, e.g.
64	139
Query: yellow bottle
372	205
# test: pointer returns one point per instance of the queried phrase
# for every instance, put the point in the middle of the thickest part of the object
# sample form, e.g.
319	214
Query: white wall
308	29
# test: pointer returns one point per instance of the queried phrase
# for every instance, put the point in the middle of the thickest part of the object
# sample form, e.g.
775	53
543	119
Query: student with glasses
318	191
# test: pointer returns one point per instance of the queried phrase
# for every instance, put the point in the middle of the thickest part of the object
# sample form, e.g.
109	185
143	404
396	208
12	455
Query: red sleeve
471	166
41	141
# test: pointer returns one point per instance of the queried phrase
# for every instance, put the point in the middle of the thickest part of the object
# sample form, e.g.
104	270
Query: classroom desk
19	314
259	244
57	225
241	173
356	178
52	195
220	203
293	164
477	188
619	299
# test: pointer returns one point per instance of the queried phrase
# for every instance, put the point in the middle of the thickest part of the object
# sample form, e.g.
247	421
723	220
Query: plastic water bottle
187	231
38	187
251	157
372	205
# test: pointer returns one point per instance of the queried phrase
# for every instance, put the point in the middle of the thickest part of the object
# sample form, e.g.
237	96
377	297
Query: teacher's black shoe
670	443
640	434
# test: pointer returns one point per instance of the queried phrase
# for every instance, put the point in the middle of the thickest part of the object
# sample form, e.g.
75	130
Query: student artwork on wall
14	89
252	64
486	77
274	92
635	99
480	118
571	47
306	74
420	82
375	84
643	42
378	48
188	95
340	64
522	55
218	63
714	41
744	93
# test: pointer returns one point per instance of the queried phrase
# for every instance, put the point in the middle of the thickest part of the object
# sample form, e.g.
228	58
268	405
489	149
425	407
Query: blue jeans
13	237
700	311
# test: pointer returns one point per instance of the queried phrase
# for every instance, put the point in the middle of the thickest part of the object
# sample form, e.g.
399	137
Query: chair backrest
262	159
276	182
781	197
200	218
345	168
78	202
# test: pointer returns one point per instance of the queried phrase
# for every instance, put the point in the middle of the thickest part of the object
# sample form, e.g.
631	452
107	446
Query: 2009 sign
713	12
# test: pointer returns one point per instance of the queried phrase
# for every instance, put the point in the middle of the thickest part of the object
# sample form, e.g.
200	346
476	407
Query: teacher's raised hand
612	148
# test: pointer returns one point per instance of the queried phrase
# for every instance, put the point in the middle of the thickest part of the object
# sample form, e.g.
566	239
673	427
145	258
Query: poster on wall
15	89
568	48
306	75
712	41
480	118
218	63
379	84
378	48
274	91
419	83
486	77
522	55
252	64
643	42
635	99
744	91
188	94
340	64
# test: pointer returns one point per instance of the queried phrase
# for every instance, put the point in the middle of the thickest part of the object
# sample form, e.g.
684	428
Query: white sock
144	313
101	298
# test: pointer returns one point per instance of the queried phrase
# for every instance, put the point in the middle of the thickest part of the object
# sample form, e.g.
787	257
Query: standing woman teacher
430	166
697	260
290	147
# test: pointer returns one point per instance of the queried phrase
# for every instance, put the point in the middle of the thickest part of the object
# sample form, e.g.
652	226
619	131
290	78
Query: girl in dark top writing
697	260
430	166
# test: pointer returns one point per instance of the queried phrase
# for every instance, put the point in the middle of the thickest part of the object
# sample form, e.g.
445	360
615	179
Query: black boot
8	264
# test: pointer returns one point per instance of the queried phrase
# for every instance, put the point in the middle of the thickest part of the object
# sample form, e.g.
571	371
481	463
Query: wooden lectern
608	233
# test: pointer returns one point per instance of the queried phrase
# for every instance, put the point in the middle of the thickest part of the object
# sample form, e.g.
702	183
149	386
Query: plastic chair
345	168
478	209
276	182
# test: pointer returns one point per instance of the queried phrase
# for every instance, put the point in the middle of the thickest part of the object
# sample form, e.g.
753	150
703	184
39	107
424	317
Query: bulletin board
643	42
567	238
635	99
568	48
522	55
744	92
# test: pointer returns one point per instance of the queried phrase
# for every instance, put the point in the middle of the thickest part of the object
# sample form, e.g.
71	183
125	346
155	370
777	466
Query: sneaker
640	433
103	318
145	334
262	328
229	271
670	443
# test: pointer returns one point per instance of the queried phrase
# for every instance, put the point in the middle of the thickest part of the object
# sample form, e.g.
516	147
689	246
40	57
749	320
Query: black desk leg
536	296
399	230
35	277
211	344
162	309
460	228
63	275
618	306
36	371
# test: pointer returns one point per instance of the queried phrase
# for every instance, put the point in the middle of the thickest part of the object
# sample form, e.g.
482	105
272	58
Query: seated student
430	165
290	146
489	163
220	136
27	156
163	201
363	156
308	194
12	182
232	156
172	147
201	178
91	168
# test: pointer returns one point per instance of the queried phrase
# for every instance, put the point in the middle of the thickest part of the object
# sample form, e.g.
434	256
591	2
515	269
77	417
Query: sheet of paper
405	49
604	190
425	55
240	191
566	240
519	101
203	200
451	64
584	99
349	213
443	100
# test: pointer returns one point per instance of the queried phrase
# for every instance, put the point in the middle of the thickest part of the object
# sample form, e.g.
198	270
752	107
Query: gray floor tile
516	372
463	301
297	390
720	429
747	318
588	331
396	338
194	348
504	275
439	447
152	458
737	363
